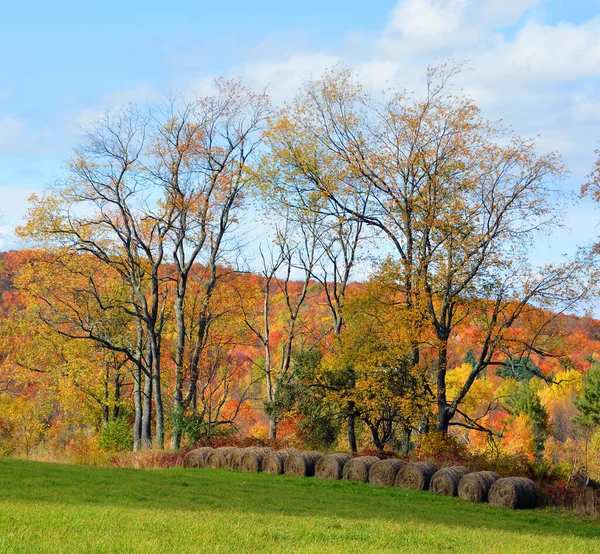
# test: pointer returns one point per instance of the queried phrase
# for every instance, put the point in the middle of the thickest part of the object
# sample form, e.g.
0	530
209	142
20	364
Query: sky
533	63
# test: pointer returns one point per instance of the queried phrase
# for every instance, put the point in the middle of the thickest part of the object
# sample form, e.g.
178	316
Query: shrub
381	454
6	447
442	449
116	436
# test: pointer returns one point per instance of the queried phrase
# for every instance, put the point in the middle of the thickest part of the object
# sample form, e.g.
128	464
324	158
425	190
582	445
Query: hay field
63	508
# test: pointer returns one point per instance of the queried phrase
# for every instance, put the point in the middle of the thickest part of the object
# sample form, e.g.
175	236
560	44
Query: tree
146	185
470	358
202	153
335	238
338	240
318	421
588	403
527	401
520	369
458	198
371	366
286	254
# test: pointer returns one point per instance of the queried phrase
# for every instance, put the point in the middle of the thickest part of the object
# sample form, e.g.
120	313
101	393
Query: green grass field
63	508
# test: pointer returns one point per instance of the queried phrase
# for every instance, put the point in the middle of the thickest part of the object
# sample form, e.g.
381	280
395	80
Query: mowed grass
63	508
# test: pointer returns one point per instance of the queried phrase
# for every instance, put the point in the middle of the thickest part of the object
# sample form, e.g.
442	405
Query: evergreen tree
470	358
588	403
521	369
526	401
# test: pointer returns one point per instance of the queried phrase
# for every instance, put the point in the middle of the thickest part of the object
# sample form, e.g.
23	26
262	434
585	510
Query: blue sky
534	63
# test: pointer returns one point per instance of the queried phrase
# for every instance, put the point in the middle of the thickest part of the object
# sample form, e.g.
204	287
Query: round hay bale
251	459
302	464
232	458
415	476
217	459
197	458
446	480
274	461
331	466
476	486
383	473
357	469
514	493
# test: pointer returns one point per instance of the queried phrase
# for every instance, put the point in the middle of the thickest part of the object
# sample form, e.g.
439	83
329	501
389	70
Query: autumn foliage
389	306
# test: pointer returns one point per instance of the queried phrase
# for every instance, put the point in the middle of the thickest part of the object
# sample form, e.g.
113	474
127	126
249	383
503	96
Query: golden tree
458	200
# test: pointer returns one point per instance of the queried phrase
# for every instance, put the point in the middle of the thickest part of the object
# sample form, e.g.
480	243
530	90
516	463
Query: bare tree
147	188
202	152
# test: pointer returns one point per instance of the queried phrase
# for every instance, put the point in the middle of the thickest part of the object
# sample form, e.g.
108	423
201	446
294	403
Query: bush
442	449
6	447
381	454
116	436
194	428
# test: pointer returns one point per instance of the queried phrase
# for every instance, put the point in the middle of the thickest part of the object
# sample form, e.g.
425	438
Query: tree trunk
272	428
376	439
176	433
351	416
137	405
405	442
442	402
106	397
351	428
147	410
158	403
116	406
179	360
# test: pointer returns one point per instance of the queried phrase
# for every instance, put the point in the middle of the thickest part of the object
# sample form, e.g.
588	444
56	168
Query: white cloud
542	53
541	78
22	137
503	13
586	107
203	86
85	118
112	101
377	74
429	25
284	77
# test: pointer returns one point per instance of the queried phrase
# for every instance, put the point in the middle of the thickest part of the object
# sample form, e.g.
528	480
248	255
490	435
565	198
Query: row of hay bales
479	486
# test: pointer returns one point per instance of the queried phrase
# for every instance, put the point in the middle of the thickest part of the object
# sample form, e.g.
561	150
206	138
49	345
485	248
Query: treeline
147	293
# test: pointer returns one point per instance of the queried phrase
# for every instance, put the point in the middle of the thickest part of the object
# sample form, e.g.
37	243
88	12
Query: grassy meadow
64	508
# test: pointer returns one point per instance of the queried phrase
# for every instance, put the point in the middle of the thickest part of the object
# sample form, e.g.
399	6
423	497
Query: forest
351	271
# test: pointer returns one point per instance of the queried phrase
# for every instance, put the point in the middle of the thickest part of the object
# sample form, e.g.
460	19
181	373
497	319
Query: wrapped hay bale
357	469
274	461
331	466
217	459
197	458
383	473
476	486
446	480
415	476
302	464
513	493
251	459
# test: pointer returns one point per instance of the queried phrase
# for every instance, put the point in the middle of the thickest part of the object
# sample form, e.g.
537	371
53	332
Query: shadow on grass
222	490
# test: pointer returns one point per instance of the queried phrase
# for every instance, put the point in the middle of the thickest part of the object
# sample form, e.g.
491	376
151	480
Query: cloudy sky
533	63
